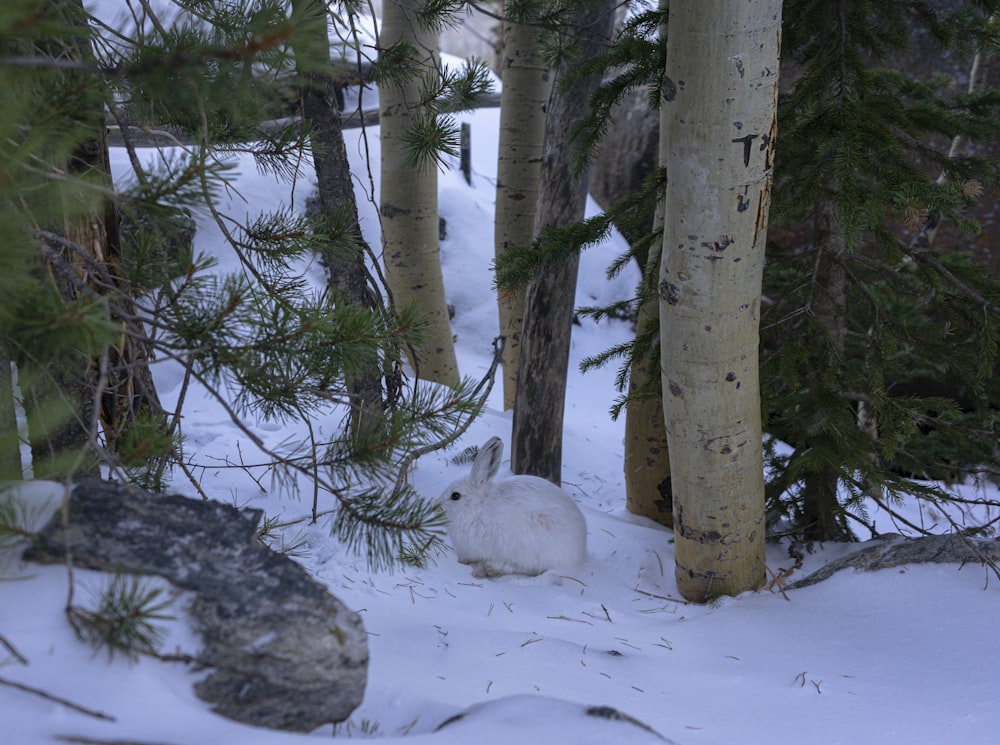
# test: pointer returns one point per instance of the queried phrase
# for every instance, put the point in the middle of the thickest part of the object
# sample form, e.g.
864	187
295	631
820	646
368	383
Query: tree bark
127	389
523	101
719	123
10	446
820	505
408	202
536	439
348	277
648	484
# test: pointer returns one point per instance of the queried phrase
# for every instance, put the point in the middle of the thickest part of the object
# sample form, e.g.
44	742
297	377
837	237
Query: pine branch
124	620
481	392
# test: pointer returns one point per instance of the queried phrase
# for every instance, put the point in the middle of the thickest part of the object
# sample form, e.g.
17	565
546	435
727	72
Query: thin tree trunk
348	277
130	390
10	447
408	202
719	121
536	439
648	484
820	505
523	100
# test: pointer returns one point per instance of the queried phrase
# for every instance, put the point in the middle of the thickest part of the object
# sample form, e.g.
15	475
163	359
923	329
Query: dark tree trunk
72	384
820	506
541	380
536	439
348	277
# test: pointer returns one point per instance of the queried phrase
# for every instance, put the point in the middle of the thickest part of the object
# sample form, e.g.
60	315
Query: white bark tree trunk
648	484
408	202
719	122
523	99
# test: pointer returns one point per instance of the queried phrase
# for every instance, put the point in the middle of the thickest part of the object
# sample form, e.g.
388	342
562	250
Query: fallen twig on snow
57	699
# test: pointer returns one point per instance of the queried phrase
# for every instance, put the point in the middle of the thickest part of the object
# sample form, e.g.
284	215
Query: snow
904	655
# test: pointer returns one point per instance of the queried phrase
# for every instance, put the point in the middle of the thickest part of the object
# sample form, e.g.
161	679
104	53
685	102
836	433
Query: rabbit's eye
455	496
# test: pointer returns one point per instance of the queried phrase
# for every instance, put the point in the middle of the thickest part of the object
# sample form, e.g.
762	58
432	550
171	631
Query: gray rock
282	652
894	550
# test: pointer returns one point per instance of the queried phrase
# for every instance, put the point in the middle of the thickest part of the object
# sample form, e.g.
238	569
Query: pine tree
97	393
258	339
865	328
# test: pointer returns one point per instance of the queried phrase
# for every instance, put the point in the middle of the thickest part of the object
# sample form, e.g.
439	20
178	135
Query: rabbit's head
469	491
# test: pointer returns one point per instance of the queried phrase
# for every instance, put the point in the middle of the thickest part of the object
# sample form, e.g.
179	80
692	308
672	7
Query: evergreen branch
123	620
440	15
486	382
366	509
517	266
463	89
638	55
620	309
429	139
955	282
395	65
44	62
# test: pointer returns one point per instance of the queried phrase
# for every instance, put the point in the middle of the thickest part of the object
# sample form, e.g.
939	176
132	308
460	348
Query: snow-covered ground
905	655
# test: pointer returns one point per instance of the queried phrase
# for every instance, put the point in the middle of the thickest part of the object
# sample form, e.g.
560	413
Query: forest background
936	323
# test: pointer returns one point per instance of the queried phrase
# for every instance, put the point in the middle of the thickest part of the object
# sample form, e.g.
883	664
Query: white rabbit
520	525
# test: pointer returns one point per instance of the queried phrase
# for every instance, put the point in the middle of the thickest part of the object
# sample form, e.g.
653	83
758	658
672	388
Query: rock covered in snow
281	651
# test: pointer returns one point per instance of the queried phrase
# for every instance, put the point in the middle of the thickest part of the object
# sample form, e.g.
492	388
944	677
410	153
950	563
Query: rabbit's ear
488	461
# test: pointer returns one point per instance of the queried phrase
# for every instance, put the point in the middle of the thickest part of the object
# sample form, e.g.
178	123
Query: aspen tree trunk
523	100
648	485
719	120
536	436
408	202
348	277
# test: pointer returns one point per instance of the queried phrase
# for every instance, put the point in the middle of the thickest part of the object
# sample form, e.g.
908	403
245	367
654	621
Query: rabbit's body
521	525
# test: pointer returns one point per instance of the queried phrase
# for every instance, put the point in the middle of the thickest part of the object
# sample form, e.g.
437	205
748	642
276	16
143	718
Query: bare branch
13	650
57	699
